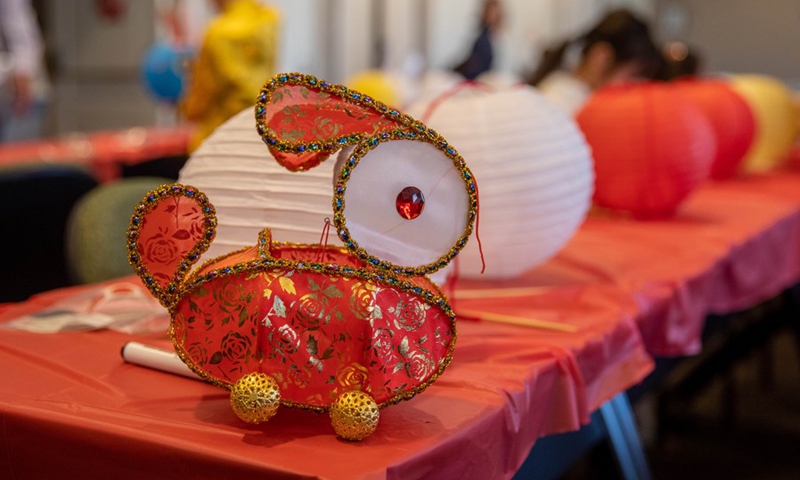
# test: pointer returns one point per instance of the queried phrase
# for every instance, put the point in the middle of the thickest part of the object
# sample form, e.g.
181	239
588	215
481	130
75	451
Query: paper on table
54	321
122	306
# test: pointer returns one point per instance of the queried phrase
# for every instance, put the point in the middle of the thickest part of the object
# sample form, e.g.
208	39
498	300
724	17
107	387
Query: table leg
624	437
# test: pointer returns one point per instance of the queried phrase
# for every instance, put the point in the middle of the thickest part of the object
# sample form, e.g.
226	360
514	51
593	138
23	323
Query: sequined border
328	146
169	294
413	130
340	221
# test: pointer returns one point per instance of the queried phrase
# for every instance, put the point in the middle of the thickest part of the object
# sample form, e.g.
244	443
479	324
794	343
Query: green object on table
95	240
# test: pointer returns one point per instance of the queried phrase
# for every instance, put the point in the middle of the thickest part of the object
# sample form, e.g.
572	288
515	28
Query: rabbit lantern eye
405	203
410	202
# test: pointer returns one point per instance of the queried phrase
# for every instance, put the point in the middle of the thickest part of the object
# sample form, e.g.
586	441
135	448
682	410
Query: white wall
738	35
98	85
302	36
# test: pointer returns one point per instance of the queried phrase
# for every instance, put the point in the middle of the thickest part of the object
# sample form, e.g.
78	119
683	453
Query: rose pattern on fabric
287	341
324	128
236	348
172	228
160	249
198	352
310	311
419	365
353	377
362	301
410	314
383	348
299	376
224	344
313	334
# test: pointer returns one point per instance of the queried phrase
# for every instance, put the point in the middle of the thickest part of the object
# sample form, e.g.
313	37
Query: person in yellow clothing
237	55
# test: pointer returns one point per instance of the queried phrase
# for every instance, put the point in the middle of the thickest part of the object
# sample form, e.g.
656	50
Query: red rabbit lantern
651	144
344	330
731	119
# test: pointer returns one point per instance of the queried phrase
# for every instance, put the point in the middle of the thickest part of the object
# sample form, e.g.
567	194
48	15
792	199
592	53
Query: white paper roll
155	358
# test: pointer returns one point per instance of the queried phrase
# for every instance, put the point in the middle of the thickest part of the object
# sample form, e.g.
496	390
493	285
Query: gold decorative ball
255	397
354	415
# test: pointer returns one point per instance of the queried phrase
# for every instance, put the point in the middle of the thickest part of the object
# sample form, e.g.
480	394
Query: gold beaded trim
411	130
170	294
340	221
327	146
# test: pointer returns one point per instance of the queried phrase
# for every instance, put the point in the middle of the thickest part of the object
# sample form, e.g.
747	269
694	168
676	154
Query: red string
323	239
478	224
449	93
449	286
426	116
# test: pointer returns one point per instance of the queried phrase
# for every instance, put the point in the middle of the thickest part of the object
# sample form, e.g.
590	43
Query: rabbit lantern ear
169	230
303	120
406	167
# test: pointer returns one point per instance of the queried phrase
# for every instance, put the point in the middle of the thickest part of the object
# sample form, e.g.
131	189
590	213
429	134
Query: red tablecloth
731	246
104	152
70	407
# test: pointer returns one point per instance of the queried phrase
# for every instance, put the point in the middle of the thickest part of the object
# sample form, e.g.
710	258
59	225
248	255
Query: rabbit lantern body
347	330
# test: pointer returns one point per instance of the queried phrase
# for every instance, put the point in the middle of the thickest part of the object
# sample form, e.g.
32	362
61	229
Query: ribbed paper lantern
731	119
776	120
651	145
251	191
534	172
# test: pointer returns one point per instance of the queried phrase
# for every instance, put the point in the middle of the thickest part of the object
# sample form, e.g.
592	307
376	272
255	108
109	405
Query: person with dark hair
481	57
617	49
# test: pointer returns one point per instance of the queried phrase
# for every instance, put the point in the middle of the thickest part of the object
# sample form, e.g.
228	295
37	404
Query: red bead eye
410	203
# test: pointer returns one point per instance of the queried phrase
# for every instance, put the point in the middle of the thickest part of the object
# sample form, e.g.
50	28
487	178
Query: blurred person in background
23	80
238	54
619	48
481	57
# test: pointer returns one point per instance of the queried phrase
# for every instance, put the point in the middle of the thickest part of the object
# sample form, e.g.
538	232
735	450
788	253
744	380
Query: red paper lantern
651	144
731	119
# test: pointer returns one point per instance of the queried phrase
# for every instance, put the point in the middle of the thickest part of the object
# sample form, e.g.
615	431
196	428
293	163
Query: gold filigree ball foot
354	415
255	397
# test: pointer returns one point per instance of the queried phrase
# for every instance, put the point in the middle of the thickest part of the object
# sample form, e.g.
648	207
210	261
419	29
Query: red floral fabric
169	231
317	334
297	113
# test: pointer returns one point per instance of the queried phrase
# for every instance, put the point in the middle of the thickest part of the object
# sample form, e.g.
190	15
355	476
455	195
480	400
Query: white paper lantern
534	172
251	191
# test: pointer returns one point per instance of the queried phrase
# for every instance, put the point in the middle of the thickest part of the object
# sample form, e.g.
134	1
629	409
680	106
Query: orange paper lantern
731	119
651	144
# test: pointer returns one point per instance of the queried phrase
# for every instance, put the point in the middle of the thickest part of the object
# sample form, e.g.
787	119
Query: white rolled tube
155	358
